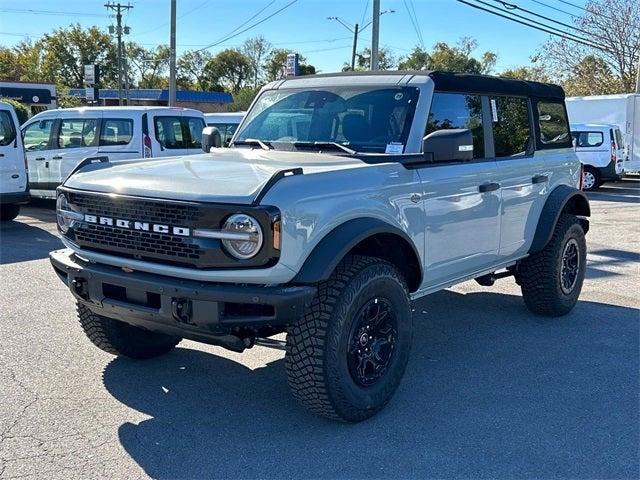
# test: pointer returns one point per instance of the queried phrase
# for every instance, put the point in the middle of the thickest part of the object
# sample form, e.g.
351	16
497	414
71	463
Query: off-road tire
122	339
9	212
597	180
539	275
316	353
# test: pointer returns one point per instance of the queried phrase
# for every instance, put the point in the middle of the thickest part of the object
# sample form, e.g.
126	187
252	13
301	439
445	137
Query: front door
13	177
461	200
37	143
75	139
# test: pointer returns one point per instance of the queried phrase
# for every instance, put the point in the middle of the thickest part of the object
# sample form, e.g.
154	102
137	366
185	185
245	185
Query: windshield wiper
337	145
253	141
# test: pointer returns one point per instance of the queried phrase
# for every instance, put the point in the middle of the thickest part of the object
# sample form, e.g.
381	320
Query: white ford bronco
341	199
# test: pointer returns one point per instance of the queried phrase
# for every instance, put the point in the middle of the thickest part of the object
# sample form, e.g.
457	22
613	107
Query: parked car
622	110
56	141
343	198
601	152
14	181
226	123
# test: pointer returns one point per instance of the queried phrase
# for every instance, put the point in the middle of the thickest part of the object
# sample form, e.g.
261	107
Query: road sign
292	65
90	74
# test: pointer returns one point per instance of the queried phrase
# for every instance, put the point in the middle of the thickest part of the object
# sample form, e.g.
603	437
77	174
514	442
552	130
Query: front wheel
9	212
551	280
347	354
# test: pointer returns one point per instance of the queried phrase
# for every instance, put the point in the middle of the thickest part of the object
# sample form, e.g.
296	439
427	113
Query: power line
554	8
158	27
249	27
364	13
413	23
249	19
49	12
581	7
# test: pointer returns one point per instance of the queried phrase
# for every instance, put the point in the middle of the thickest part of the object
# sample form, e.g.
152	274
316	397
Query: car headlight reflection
242	236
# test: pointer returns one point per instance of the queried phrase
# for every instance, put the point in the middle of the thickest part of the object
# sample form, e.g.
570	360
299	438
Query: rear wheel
346	356
590	179
551	280
122	339
9	212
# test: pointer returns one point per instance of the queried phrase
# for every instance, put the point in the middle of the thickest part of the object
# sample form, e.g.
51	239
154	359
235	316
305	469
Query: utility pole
375	35
119	8
172	56
355	47
638	78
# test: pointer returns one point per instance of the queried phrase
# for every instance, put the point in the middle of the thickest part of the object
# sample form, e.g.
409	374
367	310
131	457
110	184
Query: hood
224	176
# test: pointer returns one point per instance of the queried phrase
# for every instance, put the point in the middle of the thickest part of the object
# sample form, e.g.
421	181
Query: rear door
591	148
168	135
38	140
193	127
13	175
120	136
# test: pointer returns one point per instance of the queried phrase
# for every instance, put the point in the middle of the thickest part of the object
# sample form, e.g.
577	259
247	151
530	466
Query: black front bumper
199	311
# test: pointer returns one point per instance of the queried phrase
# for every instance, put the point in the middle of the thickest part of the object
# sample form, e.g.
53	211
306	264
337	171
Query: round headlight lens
245	236
64	222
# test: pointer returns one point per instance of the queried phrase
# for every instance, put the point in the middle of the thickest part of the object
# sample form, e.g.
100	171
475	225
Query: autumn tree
256	49
386	59
450	58
193	72
148	67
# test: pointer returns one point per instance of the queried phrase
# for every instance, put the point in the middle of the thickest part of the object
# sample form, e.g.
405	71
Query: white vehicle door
13	175
37	143
74	140
193	126
168	135
120	137
592	149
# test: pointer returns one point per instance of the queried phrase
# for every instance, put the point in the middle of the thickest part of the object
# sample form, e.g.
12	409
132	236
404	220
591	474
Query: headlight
242	236
62	206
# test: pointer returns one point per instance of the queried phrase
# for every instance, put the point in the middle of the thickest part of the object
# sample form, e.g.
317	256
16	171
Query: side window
195	126
454	110
115	131
76	133
36	135
553	124
226	131
511	129
589	139
7	129
169	132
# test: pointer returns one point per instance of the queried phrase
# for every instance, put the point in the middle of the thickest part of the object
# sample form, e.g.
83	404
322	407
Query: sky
302	26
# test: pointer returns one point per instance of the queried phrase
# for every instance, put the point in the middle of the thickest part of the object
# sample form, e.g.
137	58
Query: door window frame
103	120
57	127
531	148
52	134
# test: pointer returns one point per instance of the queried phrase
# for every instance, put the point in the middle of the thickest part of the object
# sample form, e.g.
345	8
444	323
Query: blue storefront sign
38	96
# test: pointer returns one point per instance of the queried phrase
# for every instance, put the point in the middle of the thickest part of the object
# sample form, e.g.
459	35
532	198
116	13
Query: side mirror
211	138
455	145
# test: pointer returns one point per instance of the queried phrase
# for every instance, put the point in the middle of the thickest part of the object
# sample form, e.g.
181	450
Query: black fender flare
328	253
563	199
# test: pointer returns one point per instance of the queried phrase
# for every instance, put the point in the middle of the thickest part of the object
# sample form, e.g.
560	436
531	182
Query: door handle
488	187
56	158
539	179
40	159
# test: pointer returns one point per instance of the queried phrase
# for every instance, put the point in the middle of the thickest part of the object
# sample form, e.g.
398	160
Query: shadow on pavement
606	258
490	391
20	242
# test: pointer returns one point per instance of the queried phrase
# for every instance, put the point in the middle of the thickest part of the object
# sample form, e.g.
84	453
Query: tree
66	51
148	67
242	100
23	62
276	60
256	49
386	60
231	67
193	73
22	112
535	74
456	58
612	27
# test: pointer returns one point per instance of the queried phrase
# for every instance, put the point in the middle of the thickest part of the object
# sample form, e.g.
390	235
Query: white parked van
601	151
226	122
622	110
14	182
57	140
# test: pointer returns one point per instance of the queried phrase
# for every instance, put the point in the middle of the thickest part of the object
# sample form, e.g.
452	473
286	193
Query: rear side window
36	135
588	139
618	138
511	129
195	126
7	129
75	133
553	125
115	131
453	110
226	131
169	132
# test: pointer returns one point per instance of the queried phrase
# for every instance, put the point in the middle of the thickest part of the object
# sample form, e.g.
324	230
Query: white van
14	181
601	151
226	122
57	140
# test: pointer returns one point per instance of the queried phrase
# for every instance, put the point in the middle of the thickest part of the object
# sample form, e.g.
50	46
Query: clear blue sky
302	26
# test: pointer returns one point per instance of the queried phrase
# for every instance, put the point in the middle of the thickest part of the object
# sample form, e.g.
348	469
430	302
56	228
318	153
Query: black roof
471	83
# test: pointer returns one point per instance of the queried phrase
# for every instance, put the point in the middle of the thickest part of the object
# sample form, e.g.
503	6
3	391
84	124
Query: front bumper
15	198
191	309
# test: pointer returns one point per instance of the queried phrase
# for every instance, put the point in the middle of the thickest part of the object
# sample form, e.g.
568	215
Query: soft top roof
461	82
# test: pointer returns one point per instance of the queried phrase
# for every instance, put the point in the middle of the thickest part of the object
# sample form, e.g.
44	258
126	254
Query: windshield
366	119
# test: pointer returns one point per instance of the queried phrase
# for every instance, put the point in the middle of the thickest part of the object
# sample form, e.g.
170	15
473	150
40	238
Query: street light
355	30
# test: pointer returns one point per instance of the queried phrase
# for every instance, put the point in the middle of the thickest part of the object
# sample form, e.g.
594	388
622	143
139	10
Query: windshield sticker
494	110
394	148
398	96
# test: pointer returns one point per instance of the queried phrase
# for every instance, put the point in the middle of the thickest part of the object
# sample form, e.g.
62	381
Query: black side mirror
211	138
455	145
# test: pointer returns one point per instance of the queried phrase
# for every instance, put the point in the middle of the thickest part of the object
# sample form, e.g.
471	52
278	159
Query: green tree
242	100
386	60
67	50
23	62
535	74
231	67
276	60
148	67
591	76
450	58
193	72
256	49
22	112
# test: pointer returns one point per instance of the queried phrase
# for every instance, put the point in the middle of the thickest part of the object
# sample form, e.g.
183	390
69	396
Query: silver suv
342	199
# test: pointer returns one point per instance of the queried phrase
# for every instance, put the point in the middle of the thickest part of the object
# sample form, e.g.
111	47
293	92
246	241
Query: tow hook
181	310
79	286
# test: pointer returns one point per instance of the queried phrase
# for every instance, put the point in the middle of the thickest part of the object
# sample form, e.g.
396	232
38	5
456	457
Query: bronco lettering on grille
135	225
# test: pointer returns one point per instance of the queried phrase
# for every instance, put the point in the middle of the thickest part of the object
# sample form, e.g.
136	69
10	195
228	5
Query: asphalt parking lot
490	390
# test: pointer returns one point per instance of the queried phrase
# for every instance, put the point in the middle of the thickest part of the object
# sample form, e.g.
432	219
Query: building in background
203	101
37	96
